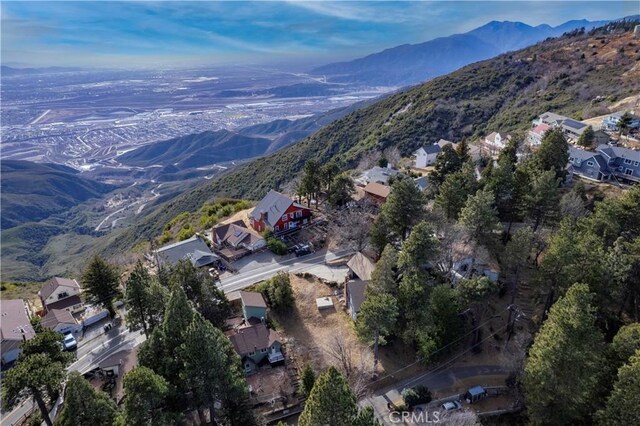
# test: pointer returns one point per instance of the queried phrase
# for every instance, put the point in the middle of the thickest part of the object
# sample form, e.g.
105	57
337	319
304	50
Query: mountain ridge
412	63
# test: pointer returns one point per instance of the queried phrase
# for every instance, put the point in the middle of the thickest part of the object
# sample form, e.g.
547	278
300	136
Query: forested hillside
564	75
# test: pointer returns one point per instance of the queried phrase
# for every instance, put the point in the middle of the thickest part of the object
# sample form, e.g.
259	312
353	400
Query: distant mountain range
9	71
32	191
413	63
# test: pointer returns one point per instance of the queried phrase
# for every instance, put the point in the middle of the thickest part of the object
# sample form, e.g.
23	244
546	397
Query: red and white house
278	213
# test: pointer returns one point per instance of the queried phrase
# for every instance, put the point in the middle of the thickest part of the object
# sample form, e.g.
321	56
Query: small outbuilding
324	303
475	393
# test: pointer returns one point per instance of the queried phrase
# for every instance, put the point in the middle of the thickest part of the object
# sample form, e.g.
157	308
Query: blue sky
177	34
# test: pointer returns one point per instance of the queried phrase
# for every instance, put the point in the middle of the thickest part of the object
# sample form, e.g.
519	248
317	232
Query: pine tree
145	300
280	292
342	188
479	216
403	209
455	190
622	406
331	402
563	371
308	379
384	276
553	153
587	138
36	376
100	281
419	249
145	392
376	320
84	405
447	163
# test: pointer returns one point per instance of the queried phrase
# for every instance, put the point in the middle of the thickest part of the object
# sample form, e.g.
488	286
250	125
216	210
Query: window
589	163
291	215
284	217
263	350
636	163
628	172
627	161
63	295
298	213
252	353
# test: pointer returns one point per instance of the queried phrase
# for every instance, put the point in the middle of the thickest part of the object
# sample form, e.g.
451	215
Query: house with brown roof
360	266
62	321
234	239
15	328
61	293
377	192
255	344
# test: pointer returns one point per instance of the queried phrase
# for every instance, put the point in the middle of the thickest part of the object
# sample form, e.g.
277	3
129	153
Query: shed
475	393
324	303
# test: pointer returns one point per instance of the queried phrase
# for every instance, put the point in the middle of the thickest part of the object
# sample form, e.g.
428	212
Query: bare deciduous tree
354	367
393	156
368	160
352	227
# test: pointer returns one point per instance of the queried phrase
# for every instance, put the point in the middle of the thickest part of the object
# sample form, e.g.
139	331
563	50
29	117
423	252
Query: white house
497	140
426	155
534	137
61	293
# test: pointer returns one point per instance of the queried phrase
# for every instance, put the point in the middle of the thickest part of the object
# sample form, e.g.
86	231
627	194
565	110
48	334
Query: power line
436	351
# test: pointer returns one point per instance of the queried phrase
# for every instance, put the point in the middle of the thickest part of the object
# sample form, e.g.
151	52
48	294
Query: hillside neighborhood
489	279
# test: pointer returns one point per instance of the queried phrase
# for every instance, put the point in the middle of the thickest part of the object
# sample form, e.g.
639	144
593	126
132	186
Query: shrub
308	379
280	292
276	246
416	395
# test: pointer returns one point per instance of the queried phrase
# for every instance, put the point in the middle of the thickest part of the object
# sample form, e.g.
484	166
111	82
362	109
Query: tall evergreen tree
563	371
543	200
36	376
553	153
100	281
341	190
384	278
331	402
207	298
622	406
419	250
403	209
447	162
145	392
479	216
84	405
376	319
145	300
455	190
587	138
308	379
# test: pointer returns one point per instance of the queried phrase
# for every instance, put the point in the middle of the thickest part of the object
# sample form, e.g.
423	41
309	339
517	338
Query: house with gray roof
15	327
195	250
61	293
278	213
572	128
236	239
426	155
605	163
612	121
376	174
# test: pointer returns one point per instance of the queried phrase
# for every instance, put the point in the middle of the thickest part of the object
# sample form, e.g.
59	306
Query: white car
69	343
451	405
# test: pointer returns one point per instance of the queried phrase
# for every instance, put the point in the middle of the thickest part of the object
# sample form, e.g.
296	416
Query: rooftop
58	316
377	189
376	174
194	250
56	282
274	205
252	299
356	289
362	266
14	321
248	339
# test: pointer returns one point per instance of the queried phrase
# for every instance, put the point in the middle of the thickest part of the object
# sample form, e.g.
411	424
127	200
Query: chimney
263	217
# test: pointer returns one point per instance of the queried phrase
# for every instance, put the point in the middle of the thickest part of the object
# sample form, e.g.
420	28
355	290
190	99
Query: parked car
451	406
294	248
304	250
69	343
